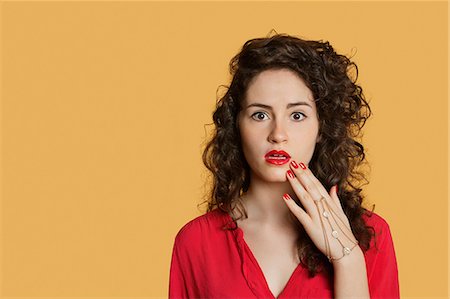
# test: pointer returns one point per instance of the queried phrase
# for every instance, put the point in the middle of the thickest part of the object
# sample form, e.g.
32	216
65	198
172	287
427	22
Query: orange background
103	113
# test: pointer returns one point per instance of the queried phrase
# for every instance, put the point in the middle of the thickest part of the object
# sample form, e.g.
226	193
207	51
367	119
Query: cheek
305	141
248	136
250	141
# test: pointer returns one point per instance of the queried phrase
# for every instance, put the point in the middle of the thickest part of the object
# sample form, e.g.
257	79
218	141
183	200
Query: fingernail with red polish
295	165
286	196
302	165
290	174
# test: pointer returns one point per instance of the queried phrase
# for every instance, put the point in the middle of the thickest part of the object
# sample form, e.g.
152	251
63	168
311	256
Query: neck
264	201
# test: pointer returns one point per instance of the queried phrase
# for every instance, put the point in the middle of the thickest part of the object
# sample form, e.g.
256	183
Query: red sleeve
177	279
382	268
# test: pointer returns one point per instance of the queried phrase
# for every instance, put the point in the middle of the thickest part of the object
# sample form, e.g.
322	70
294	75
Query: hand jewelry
345	250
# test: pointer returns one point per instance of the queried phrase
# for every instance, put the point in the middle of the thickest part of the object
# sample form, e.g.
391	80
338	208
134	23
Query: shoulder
373	219
381	261
201	228
380	226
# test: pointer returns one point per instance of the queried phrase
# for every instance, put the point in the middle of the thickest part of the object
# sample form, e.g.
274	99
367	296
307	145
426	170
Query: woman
285	135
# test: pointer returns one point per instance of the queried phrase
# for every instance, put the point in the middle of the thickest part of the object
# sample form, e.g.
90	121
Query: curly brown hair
342	112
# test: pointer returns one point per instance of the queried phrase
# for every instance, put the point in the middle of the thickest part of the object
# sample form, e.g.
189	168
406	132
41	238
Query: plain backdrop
103	113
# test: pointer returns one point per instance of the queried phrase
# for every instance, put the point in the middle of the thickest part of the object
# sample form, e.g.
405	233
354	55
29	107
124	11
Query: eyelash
304	116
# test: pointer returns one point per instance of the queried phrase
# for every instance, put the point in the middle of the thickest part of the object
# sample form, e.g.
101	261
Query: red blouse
210	262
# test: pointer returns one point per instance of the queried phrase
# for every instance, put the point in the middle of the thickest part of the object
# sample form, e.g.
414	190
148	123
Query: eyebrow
288	105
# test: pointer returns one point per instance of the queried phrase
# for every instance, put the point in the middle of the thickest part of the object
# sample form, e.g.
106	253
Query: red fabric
209	262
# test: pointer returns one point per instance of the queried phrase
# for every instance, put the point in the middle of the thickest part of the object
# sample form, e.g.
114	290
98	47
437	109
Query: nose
278	133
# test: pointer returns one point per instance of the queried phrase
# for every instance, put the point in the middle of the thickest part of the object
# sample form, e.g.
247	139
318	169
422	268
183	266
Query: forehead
277	86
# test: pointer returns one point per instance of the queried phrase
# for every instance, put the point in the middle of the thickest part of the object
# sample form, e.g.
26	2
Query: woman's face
278	113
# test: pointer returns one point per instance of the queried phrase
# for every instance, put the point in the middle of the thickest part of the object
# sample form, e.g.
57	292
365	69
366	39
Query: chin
278	176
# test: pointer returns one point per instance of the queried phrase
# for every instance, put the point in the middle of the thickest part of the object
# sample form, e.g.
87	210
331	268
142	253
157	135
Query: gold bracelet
345	250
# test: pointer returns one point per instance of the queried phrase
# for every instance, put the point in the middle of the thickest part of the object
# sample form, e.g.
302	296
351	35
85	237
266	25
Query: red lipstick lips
277	157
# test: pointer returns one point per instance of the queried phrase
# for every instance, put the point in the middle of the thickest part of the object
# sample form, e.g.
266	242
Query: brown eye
258	116
299	116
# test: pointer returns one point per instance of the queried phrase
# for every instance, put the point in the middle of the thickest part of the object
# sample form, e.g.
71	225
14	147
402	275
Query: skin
350	279
294	130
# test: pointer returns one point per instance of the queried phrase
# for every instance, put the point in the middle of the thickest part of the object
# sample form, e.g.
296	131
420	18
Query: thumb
334	196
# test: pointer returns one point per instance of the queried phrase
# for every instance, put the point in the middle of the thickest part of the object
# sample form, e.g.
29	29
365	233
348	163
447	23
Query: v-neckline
255	261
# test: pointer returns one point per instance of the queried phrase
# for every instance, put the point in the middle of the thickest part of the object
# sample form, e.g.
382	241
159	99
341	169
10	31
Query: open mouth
277	157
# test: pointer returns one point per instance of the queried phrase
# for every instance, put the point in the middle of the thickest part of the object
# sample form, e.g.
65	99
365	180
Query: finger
305	178
298	212
313	185
304	197
343	218
334	205
334	196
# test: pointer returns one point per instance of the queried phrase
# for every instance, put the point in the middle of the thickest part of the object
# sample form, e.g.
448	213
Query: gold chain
334	233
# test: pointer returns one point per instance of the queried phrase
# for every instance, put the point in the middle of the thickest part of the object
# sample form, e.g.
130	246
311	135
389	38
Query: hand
324	219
